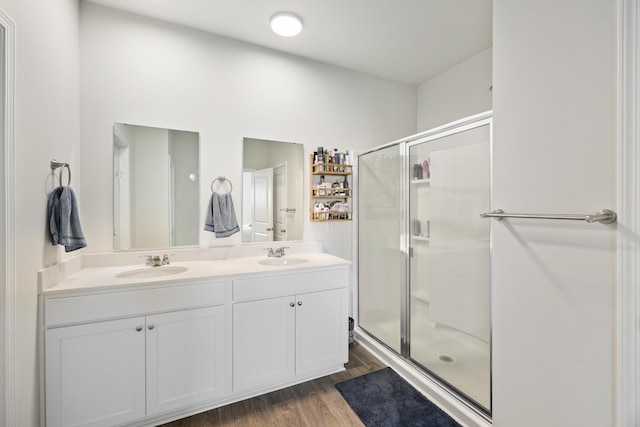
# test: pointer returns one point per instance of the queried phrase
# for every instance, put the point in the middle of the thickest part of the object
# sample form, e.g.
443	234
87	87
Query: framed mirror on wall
156	201
272	192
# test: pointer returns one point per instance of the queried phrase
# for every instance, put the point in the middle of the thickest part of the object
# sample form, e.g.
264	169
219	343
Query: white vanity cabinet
289	328
143	353
95	373
110	372
185	354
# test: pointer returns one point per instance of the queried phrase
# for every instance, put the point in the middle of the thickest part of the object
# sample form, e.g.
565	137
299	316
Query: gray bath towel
221	216
64	220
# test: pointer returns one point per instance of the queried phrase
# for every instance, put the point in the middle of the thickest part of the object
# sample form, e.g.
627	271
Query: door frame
7	221
277	209
628	228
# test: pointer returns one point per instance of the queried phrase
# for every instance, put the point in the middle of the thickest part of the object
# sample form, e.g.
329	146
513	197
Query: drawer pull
151	326
138	328
291	304
299	302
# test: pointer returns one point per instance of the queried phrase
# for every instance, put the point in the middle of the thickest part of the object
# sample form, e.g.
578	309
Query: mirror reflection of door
262	194
280	198
287	161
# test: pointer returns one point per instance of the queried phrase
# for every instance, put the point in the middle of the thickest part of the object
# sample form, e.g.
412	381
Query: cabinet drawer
289	284
89	308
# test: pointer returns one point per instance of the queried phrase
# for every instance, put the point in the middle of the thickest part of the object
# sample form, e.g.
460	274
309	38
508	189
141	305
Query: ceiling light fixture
286	24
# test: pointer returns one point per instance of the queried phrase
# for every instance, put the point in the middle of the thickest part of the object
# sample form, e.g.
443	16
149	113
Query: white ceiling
407	41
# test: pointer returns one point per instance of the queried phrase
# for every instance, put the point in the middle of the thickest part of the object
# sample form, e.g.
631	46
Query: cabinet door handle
138	328
299	302
291	304
151	326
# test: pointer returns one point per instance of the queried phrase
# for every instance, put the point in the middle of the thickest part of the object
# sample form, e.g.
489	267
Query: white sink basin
282	261
151	272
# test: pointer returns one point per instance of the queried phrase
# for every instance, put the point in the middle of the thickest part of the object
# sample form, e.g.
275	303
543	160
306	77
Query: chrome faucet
270	252
279	252
156	261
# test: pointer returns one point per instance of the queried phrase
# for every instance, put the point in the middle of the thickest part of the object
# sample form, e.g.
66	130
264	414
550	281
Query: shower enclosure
424	254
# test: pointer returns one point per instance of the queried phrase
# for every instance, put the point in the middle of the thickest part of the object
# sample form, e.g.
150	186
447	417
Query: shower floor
460	359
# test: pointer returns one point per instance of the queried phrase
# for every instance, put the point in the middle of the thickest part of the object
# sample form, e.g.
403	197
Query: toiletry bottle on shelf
345	185
417	171
426	173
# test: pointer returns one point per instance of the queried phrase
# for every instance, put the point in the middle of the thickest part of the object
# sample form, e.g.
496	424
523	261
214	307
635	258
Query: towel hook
222	179
56	164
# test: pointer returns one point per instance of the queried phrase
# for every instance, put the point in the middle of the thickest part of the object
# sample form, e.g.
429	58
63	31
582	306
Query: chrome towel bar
604	216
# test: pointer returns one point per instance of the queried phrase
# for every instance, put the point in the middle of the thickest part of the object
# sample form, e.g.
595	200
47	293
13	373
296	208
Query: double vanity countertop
105	278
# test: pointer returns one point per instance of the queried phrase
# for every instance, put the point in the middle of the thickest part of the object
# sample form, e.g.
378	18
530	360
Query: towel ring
56	164
222	179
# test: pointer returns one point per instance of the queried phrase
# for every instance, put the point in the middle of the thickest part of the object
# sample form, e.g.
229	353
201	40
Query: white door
321	331
262	227
263	342
95	373
280	198
185	358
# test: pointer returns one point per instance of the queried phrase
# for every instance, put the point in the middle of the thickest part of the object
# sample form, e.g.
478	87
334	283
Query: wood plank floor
315	403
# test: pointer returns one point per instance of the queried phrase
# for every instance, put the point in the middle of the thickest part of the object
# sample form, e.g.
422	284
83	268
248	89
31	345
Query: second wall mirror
272	191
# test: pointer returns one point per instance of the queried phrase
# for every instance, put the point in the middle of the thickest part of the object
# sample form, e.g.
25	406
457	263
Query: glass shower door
449	283
381	262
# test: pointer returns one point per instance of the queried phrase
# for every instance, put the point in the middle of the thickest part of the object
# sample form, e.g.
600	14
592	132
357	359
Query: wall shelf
420	238
331	194
421	181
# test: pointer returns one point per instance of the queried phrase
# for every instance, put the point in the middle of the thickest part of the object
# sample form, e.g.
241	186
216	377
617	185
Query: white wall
458	92
141	71
46	127
554	152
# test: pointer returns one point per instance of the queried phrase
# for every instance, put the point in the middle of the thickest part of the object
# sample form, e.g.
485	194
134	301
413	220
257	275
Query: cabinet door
185	358
263	342
95	373
322	330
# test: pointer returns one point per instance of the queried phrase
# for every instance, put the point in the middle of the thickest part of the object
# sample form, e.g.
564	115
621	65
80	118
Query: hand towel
221	216
64	220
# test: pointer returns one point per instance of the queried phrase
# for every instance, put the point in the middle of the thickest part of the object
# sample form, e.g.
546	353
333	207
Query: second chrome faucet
277	252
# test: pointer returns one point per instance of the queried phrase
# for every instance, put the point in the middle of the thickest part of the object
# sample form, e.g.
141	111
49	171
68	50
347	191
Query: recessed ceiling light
286	24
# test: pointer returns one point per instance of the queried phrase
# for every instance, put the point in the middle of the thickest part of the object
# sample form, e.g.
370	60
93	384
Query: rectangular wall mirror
272	192
156	201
